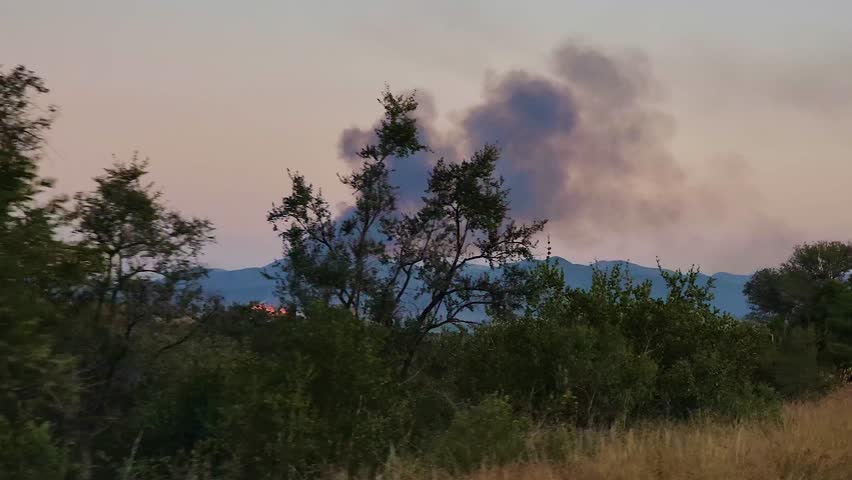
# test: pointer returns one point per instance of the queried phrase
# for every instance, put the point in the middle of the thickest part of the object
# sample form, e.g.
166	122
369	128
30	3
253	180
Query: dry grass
813	441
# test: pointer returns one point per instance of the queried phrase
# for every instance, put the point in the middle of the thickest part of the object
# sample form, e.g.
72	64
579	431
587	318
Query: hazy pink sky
224	96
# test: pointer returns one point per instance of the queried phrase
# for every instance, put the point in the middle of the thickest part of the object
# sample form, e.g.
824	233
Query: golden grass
813	441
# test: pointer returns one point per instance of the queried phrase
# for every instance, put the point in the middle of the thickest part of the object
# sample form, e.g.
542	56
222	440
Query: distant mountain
241	286
249	284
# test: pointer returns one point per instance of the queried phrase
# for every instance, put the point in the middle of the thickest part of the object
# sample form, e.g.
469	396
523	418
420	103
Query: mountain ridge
248	284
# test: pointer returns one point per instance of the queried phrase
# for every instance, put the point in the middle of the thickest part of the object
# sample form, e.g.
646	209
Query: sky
709	133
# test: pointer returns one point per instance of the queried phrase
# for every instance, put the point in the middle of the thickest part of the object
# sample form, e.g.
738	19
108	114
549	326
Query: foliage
113	363
36	383
311	392
807	302
22	130
404	270
615	354
134	235
329	260
488	433
29	452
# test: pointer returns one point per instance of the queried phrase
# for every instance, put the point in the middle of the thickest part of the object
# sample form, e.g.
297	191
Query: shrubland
393	356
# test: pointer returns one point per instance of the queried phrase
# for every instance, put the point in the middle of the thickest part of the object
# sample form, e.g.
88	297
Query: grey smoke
584	146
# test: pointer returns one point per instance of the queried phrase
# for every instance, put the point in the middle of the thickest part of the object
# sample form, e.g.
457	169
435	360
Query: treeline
114	364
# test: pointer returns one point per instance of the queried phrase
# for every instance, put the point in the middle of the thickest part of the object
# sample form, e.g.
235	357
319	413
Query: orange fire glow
262	307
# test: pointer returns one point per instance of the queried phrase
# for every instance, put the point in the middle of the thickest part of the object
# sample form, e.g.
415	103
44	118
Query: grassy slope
814	441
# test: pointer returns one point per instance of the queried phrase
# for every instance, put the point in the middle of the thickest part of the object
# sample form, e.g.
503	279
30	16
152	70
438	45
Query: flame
262	307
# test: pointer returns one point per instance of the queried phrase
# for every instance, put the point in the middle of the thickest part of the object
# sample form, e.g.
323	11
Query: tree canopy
400	339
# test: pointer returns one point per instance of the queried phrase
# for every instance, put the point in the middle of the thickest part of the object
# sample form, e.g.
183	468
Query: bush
793	366
313	393
28	452
485	434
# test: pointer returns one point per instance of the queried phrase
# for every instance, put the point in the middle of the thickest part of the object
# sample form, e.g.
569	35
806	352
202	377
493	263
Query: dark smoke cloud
584	146
530	119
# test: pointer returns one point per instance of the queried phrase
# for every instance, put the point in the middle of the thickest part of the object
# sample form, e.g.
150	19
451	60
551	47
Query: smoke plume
584	145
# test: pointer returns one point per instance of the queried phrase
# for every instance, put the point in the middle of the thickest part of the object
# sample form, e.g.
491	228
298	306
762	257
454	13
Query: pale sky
224	96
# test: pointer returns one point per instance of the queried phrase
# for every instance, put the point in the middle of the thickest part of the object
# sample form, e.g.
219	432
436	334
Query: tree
793	289
821	260
36	383
409	271
327	259
135	236
811	291
144	276
22	131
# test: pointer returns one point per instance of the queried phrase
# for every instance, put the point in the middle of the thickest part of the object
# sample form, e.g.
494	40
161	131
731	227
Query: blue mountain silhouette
249	284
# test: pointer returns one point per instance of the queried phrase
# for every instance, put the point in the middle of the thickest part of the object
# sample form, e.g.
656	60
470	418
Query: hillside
248	284
812	441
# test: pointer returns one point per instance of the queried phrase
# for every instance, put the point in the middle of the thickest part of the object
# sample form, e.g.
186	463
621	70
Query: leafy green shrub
312	393
28	452
485	434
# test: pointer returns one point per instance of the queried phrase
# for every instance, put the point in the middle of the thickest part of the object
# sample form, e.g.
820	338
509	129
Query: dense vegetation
113	363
